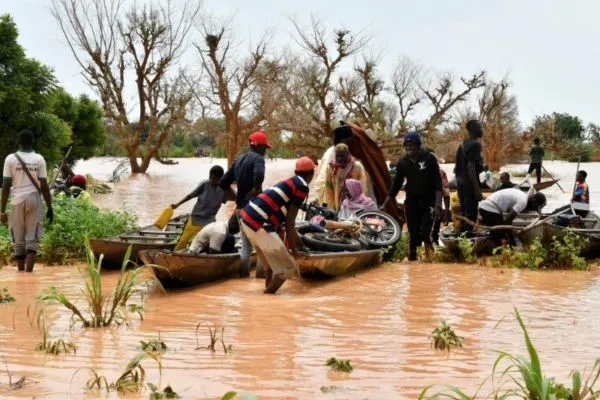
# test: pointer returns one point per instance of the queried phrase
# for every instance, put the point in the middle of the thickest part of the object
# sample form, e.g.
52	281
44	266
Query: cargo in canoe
146	238
182	269
329	265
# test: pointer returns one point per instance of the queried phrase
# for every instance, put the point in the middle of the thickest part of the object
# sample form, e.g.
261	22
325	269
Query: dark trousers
435	234
468	207
495	219
420	224
537	167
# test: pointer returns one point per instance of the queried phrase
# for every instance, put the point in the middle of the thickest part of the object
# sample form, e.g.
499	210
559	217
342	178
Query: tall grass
520	377
104	308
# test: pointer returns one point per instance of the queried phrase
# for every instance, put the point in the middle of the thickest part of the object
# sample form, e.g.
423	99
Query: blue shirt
248	171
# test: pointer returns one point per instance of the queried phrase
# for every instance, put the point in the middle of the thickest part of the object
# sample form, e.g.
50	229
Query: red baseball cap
78	180
304	164
258	138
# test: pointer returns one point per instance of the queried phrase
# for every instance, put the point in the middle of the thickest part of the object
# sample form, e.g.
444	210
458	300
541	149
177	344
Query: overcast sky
548	48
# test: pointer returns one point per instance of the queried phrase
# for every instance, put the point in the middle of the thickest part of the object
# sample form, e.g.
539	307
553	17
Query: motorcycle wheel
328	242
385	232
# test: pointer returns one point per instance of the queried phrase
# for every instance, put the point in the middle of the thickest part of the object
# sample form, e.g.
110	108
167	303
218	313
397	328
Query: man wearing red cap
248	171
266	212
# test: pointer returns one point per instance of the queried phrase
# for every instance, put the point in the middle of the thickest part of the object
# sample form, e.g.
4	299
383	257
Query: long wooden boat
536	186
145	238
590	232
329	265
177	269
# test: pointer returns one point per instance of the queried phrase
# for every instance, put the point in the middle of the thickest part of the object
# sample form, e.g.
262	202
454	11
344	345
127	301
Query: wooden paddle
554	179
533	224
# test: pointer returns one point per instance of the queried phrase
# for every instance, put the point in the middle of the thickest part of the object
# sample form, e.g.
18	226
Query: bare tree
311	91
499	115
234	83
361	95
405	87
118	49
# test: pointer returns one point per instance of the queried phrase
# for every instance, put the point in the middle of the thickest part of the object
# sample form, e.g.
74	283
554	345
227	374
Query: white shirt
212	235
21	184
504	201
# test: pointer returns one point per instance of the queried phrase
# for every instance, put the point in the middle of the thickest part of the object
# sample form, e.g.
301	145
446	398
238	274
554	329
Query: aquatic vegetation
444	338
6	297
155	345
6	247
466	251
130	381
339	365
97	187
166	393
397	252
64	239
104	308
560	253
214	338
55	347
525	379
244	395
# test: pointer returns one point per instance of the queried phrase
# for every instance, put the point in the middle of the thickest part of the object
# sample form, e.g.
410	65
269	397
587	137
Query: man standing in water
25	171
469	164
423	202
248	171
274	207
537	154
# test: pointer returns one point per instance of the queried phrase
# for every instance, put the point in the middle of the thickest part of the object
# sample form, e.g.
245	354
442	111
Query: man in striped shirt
266	212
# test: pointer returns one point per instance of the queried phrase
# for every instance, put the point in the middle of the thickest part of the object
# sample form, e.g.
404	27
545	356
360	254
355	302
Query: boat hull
184	269
329	265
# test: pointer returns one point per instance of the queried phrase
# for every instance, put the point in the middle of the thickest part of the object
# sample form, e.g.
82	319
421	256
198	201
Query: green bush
397	252
64	239
560	253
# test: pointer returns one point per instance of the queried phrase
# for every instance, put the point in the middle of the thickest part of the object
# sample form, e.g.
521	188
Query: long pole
575	185
558	184
62	163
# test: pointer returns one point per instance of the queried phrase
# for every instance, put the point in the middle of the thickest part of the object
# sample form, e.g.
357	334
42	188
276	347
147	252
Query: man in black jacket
423	188
469	164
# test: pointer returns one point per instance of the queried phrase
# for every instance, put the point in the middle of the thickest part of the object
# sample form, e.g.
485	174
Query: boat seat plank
166	233
144	238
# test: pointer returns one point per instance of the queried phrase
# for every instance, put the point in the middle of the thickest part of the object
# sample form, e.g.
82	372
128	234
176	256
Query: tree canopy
31	99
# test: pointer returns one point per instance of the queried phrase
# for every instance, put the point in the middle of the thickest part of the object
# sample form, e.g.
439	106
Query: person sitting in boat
343	167
488	181
581	195
278	206
355	200
216	237
209	197
505	182
508	201
78	188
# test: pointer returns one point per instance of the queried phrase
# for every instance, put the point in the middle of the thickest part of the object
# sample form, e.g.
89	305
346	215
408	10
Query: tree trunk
133	161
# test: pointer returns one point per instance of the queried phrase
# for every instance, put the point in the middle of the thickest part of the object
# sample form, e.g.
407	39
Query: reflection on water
379	319
147	195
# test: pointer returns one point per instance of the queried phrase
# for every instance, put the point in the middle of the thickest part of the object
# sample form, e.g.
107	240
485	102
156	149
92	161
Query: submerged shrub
104	308
64	239
444	338
339	365
6	297
397	252
560	253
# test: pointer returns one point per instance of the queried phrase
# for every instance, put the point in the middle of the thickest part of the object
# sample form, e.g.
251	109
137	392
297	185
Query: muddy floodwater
379	319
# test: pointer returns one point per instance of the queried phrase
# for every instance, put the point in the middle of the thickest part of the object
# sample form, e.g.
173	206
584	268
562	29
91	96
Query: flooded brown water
380	319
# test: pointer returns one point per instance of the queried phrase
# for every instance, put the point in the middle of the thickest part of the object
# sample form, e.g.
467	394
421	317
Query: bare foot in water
274	285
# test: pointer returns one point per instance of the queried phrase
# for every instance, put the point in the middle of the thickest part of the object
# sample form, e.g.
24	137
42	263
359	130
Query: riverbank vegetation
64	240
519	377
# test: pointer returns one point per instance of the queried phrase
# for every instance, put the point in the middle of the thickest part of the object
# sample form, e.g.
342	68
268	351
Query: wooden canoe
536	186
590	233
329	265
146	238
186	269
482	242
